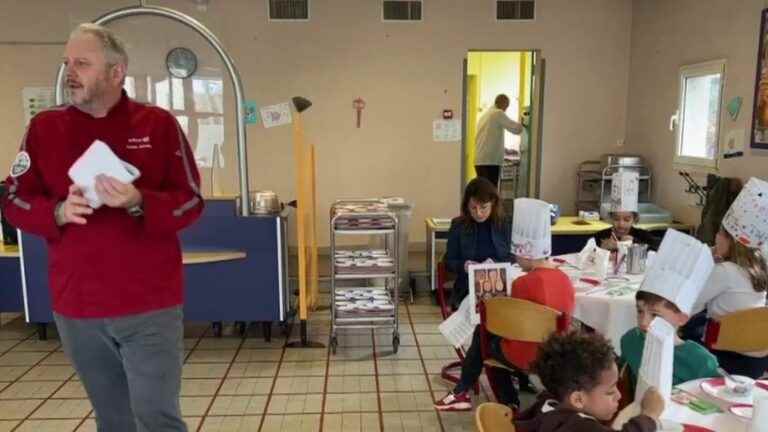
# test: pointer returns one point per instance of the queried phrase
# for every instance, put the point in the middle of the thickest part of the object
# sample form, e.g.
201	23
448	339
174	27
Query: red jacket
116	264
549	287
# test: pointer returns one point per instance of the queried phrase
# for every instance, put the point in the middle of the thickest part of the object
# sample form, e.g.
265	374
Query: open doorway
514	73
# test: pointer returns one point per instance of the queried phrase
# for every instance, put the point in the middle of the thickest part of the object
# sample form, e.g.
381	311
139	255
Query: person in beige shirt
489	156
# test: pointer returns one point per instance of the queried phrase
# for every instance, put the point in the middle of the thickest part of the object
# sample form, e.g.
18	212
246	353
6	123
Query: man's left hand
115	193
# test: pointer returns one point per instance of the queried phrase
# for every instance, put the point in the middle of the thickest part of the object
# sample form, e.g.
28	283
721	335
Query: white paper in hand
99	159
658	357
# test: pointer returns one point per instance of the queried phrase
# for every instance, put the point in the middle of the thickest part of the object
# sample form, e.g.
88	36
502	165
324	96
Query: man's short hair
114	47
500	100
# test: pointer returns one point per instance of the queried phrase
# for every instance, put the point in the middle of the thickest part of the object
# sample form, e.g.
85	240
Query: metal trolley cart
357	304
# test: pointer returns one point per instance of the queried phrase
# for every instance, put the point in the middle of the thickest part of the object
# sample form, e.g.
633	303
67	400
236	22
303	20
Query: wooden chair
517	320
742	331
494	417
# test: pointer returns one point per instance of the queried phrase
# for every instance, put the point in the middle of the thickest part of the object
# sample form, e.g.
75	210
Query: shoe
454	402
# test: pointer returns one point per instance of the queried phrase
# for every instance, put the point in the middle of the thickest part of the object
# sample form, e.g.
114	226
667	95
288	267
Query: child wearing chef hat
740	279
625	186
543	283
669	290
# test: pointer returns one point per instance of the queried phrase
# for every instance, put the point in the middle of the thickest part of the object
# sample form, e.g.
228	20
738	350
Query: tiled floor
246	384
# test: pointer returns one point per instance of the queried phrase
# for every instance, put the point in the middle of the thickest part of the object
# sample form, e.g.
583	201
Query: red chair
452	371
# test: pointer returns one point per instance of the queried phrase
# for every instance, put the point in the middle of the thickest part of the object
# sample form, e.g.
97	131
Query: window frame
677	121
399	21
516	20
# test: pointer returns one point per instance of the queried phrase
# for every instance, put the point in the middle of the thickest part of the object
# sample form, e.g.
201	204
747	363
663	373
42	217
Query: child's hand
652	404
608	244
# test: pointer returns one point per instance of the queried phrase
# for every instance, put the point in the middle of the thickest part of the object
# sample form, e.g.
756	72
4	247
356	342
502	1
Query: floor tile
48	426
8	425
403	353
432	340
289	369
49	373
435	366
305	354
421	401
259	355
37	345
30	390
351	422
438	353
70	390
403	383
190	343
259	343
352	353
457	421
17	409
299	385
231	424
246	386
343	368
252	370
399	367
14	358
412	421
63	409
200	387
295	404
6	345
351	384
192	406
211	356
238	405
291	423
12	373
352	402
56	358
217	343
204	370
425	328
90	424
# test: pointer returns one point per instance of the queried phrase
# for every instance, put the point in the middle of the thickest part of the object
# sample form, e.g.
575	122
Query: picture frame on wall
759	132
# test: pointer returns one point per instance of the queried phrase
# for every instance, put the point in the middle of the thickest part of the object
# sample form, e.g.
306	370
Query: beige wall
665	36
407	73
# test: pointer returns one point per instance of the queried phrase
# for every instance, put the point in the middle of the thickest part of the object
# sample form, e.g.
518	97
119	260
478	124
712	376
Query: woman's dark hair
483	191
573	361
750	259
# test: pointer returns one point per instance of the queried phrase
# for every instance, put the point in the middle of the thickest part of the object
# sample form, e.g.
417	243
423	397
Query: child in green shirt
691	360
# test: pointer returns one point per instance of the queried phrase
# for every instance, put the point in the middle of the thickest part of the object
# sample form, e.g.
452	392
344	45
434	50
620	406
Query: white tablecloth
609	307
719	422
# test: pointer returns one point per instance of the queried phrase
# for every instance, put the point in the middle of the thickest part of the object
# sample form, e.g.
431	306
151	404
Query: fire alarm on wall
447	114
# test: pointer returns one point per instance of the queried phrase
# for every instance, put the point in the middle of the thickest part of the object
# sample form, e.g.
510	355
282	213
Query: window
288	10
515	10
697	121
400	10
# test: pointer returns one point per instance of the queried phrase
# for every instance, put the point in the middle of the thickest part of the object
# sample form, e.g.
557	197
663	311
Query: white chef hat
680	270
531	230
625	186
747	218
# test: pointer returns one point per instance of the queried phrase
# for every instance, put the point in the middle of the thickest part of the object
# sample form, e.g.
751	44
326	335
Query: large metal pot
264	202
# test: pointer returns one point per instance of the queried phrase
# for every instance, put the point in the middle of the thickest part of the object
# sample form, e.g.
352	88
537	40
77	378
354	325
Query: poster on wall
759	133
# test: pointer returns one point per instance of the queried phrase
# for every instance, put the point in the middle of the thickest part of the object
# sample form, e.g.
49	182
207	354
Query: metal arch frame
203	31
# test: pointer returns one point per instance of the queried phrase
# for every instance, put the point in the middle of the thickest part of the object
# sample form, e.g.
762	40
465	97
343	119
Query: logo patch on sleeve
21	164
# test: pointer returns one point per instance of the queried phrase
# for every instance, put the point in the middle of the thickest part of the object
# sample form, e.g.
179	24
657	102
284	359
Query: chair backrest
494	417
519	320
742	331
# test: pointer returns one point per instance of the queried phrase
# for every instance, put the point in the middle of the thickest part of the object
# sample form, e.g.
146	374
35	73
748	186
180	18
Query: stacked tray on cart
361	216
367	302
369	261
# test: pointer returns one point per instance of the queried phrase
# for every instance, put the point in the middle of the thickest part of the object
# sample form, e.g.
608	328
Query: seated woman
543	284
624	196
480	234
739	280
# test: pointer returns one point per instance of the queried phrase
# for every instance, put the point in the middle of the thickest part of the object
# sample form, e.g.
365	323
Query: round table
724	421
609	306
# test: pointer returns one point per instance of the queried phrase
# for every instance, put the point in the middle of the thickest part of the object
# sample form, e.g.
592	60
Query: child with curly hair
579	373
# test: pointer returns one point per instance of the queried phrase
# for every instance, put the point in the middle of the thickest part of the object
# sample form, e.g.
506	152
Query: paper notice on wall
36	99
458	327
734	143
276	115
446	130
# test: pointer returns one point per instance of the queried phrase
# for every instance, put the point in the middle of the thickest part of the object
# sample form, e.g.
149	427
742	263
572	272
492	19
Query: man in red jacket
116	271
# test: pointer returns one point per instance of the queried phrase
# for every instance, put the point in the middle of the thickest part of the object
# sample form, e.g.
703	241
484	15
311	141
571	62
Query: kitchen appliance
636	258
264	202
